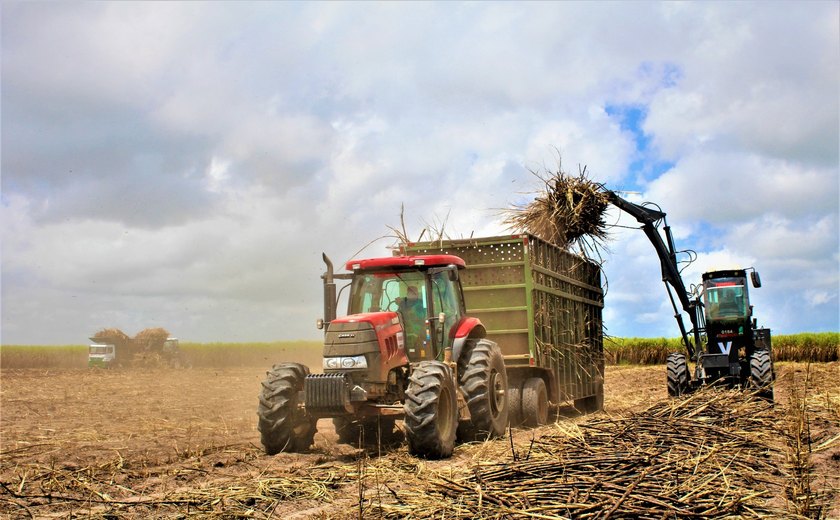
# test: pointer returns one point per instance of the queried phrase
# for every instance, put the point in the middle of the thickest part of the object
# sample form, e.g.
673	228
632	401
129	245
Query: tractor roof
398	262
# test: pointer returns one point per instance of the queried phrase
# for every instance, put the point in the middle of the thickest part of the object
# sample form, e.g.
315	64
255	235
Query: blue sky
185	164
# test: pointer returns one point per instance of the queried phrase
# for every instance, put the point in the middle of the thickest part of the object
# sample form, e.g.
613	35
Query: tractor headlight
344	363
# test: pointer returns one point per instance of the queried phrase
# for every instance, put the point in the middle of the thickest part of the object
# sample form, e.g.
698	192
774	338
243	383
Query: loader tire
534	402
431	410
367	431
283	424
677	375
761	374
483	380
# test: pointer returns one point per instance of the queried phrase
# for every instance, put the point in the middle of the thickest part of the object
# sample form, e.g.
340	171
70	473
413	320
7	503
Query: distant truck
101	355
542	305
112	347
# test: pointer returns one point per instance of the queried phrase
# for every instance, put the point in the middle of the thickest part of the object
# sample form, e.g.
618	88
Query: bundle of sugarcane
568	212
110	336
151	339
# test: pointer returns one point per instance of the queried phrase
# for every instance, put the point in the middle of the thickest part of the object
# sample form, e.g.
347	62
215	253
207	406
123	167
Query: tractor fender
468	328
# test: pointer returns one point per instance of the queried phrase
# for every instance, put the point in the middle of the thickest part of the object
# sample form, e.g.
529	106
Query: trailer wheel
761	374
515	403
283	424
677	375
483	380
534	402
431	412
373	430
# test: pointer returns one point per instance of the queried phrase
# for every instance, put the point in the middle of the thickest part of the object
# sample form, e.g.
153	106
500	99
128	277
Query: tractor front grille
328	394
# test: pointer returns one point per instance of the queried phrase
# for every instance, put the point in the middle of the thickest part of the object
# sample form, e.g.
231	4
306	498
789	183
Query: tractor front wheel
483	380
431	410
677	375
283	423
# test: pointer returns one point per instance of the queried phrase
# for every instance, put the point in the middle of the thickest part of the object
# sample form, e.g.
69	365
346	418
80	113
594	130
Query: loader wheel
431	412
534	402
283	424
483	380
761	374
677	375
370	430
515	403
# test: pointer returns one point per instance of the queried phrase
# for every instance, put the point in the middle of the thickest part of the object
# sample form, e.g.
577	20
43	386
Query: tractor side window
446	301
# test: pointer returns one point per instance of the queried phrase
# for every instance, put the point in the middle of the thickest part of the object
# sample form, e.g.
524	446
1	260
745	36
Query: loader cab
424	291
725	296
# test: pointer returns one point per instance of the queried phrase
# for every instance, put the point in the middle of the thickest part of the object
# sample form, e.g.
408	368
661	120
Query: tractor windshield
726	299
377	292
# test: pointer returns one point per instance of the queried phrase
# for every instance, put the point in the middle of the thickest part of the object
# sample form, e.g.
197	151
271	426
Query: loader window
726	299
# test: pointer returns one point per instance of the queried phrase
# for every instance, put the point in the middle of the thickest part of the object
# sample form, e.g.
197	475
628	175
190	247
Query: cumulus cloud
185	164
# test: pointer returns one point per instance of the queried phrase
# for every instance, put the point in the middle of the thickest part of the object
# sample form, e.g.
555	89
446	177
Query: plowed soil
171	443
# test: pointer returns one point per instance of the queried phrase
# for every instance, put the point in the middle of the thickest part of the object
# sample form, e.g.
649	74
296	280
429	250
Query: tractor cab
423	291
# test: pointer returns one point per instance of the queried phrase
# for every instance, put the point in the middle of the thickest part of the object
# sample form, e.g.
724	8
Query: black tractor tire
677	374
593	403
283	424
483	380
534	402
431	410
515	403
367	431
761	374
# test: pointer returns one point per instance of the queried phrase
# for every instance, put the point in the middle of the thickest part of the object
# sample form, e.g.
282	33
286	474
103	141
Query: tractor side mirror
756	279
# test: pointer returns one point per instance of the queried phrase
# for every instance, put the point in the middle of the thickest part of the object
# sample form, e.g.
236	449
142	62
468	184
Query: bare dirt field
170	443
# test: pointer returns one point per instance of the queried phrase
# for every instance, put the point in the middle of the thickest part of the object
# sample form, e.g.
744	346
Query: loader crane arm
650	218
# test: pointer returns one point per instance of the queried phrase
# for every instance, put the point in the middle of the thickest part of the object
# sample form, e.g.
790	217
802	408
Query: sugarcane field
167	444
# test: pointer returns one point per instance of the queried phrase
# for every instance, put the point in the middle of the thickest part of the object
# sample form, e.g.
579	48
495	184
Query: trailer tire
515	403
283	424
431	410
761	374
483	380
677	375
534	402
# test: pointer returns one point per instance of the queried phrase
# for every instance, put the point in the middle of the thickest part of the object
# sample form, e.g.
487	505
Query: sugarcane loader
405	350
724	339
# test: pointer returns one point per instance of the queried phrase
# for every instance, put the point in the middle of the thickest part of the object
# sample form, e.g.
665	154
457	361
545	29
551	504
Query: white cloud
186	164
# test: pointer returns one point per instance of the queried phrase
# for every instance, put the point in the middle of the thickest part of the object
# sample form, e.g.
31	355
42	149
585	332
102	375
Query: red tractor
405	350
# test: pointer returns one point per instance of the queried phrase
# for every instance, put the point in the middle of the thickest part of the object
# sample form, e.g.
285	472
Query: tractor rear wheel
677	375
761	374
534	402
283	423
431	410
483	380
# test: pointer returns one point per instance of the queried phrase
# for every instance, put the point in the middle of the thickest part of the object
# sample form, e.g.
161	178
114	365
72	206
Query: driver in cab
413	313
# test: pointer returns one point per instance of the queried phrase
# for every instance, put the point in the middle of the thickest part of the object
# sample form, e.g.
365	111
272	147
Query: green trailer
542	305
